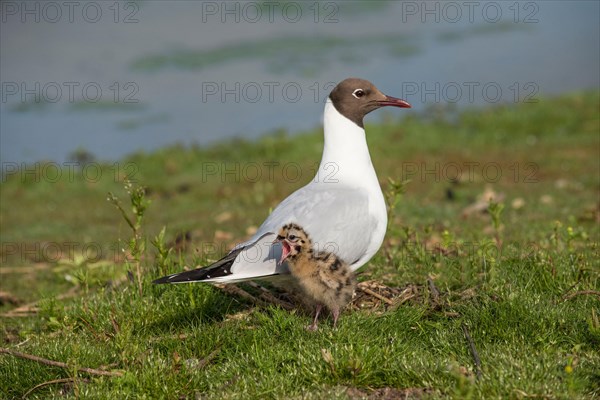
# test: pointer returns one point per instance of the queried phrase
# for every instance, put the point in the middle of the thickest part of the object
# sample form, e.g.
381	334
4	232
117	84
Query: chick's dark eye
292	237
358	93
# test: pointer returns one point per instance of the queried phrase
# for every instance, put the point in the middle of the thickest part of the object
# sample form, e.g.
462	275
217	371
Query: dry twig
268	296
25	270
581	293
59	364
208	358
32	308
52	382
377	295
6	298
235	290
435	293
473	351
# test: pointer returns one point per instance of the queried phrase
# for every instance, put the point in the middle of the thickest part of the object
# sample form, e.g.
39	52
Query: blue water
191	72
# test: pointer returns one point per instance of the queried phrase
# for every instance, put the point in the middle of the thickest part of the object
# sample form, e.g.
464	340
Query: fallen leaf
483	201
518	203
546	199
223	217
222	235
328	359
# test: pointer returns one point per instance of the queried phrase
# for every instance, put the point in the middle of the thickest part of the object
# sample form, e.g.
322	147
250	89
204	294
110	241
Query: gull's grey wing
254	260
336	217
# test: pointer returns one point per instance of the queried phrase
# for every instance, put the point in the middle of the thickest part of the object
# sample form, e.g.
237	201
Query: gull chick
323	277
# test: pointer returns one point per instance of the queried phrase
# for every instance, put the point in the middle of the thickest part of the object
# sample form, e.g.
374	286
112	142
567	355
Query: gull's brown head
354	98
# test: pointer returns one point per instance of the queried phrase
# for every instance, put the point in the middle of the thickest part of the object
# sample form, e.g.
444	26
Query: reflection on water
144	75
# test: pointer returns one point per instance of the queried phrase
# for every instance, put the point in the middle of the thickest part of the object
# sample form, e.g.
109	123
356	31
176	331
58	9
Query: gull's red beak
395	102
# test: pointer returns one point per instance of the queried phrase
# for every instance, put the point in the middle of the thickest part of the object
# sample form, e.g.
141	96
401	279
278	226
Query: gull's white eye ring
358	93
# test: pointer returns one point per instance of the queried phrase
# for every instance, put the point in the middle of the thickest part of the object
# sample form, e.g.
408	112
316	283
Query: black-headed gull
323	277
342	208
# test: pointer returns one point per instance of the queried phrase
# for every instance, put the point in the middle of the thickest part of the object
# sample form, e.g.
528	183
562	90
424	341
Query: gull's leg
314	326
336	315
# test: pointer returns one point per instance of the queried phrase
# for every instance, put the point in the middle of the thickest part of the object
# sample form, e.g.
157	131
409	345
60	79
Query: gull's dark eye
292	237
358	93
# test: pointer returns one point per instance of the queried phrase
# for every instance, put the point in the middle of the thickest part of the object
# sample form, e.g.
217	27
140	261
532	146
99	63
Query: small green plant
414	248
574	234
555	237
594	326
137	243
495	211
164	252
393	194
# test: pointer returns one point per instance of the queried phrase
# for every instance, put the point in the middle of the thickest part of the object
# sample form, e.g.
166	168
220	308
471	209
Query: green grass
187	341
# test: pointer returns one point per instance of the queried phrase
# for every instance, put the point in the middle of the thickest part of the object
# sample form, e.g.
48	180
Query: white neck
346	157
346	161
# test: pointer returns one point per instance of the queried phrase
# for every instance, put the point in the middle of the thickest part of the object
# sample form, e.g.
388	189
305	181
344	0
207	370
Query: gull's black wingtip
195	275
164	279
217	270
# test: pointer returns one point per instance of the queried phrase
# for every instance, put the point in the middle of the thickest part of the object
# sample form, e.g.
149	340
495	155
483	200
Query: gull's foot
336	315
312	328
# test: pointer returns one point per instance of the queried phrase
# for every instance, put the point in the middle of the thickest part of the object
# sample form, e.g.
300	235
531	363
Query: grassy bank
519	274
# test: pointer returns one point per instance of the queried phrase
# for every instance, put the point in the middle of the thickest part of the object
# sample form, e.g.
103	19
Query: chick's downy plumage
323	277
